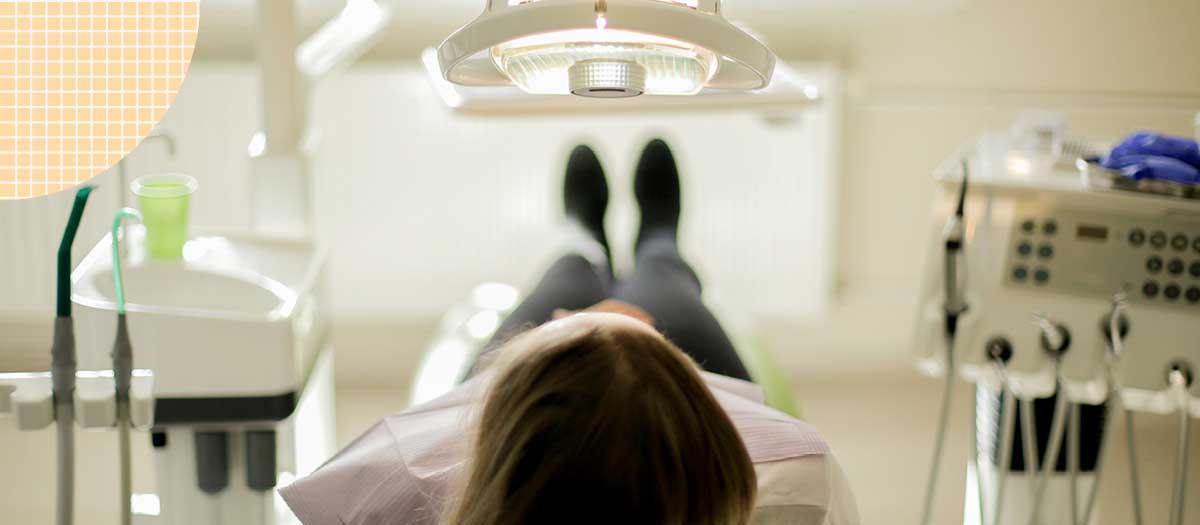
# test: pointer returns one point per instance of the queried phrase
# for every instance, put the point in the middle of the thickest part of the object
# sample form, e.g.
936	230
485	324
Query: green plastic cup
164	200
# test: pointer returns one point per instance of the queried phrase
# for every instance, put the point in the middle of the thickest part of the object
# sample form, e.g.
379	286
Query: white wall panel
419	205
422	204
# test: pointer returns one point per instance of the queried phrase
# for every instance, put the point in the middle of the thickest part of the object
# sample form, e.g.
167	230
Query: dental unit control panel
1158	262
1065	304
1047	245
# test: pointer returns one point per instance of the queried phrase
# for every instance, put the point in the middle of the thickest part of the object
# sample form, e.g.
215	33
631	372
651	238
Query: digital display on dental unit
1092	233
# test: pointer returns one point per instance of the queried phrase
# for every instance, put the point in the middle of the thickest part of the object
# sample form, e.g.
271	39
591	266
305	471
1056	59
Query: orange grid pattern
82	82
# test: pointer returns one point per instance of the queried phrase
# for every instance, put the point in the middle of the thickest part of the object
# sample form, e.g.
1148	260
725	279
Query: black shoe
585	194
656	186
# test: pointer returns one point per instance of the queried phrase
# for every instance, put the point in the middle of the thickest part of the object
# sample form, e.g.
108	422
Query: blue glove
1146	155
1142	167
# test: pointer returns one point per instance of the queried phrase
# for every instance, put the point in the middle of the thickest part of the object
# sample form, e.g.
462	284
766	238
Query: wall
921	82
419	205
426	205
921	78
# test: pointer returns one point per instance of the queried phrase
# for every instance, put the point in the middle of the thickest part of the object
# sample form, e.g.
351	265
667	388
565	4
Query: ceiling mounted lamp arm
284	112
344	39
289	70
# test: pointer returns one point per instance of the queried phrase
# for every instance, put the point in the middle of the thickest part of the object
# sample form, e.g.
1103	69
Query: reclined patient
599	402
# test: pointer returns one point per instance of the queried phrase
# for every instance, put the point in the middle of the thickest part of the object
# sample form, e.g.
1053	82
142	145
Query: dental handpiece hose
940	439
1056	340
954	307
1179	388
1007	430
1053	450
1114	407
63	365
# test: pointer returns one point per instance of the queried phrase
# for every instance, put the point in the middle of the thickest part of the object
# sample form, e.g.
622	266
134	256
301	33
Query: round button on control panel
1158	240
1137	237
1024	249
1103	248
1172	292
1154	264
1050	228
1020	273
1041	276
1171	267
1150	289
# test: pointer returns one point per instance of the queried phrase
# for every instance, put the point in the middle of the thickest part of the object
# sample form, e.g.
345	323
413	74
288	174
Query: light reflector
694	4
605	48
543	64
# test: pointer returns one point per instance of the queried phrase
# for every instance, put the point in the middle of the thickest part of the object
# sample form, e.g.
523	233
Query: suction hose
63	365
122	356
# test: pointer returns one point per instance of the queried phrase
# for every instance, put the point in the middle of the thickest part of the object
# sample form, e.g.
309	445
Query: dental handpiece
954	237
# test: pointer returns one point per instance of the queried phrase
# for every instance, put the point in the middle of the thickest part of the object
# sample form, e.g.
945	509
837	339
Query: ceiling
226	26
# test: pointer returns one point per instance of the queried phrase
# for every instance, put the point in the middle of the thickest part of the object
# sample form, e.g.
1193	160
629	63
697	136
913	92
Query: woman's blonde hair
602	424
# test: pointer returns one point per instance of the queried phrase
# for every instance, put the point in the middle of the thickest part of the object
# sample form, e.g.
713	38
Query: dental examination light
606	49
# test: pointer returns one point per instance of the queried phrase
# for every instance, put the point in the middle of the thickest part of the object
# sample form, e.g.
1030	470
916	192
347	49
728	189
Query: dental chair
469	325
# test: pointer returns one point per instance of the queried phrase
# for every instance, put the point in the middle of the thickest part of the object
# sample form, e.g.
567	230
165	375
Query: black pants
663	285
